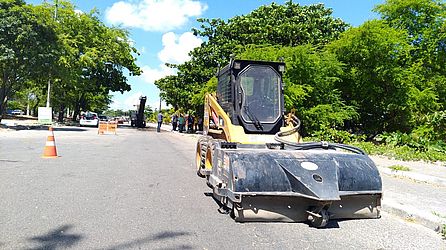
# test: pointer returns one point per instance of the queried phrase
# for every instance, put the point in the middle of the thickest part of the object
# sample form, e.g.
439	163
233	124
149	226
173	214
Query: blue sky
160	30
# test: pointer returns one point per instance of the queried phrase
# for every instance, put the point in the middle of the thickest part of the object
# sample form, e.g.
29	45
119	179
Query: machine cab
251	93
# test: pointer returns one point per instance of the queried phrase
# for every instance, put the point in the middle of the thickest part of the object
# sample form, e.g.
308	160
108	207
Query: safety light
281	68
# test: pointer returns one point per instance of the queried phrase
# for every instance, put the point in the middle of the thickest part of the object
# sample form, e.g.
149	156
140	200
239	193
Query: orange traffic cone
50	146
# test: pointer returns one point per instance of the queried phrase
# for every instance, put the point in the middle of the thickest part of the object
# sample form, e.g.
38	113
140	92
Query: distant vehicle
103	118
120	120
17	112
137	117
89	119
133	118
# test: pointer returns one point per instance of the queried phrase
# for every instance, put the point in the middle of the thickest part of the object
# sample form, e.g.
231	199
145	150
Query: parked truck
137	118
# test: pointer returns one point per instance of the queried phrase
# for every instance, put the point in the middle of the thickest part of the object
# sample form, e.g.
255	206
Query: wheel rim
198	156
208	162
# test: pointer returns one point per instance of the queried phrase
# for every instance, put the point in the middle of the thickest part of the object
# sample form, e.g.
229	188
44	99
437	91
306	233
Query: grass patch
399	168
404	153
443	228
438	215
410	219
443	231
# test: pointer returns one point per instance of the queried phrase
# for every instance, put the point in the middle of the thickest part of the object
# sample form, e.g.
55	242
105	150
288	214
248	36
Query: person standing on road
174	122
190	123
200	124
160	121
181	123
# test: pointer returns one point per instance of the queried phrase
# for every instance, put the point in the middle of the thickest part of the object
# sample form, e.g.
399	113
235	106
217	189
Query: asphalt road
139	190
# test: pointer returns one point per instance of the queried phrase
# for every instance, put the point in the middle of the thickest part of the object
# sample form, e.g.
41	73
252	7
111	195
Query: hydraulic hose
295	129
311	145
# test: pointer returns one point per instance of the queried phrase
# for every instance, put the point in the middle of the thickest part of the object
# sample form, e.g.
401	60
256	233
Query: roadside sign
45	115
107	127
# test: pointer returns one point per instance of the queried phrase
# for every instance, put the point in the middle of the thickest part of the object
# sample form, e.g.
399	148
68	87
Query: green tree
94	61
424	22
374	81
174	91
27	45
288	25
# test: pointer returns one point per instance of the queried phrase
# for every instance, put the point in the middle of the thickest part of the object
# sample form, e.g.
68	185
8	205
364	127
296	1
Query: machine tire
201	148
322	221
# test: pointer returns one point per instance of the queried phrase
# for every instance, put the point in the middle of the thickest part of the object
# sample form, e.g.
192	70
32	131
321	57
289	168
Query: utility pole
56	2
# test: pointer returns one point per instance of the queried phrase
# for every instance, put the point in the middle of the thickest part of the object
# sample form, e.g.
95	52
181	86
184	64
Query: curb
415	176
412	214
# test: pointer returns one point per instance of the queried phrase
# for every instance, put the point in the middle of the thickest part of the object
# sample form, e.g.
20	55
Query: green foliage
28	46
83	58
327	116
424	22
437	122
310	85
93	63
210	87
148	112
116	113
334	135
176	92
415	16
400	152
399	168
288	25
421	139
373	80
443	231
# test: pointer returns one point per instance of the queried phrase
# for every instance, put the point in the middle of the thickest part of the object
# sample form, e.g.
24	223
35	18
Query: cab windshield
260	87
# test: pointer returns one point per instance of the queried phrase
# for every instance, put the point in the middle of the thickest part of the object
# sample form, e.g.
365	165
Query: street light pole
56	2
48	94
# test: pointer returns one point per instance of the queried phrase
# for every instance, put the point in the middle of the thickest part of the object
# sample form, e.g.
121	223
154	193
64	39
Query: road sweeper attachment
257	165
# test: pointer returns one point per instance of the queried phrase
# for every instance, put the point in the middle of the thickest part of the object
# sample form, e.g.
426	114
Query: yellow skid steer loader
257	165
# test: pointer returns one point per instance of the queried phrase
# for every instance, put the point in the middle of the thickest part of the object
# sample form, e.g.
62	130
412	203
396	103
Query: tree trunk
3	95
35	108
75	112
77	108
61	113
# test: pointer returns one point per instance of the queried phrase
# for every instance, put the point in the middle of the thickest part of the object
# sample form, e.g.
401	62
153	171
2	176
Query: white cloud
132	101
176	47
78	12
156	104
116	105
154	15
150	75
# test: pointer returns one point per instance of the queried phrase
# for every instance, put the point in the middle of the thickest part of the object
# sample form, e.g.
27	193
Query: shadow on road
42	127
157	237
125	126
24	127
330	225
57	239
70	129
